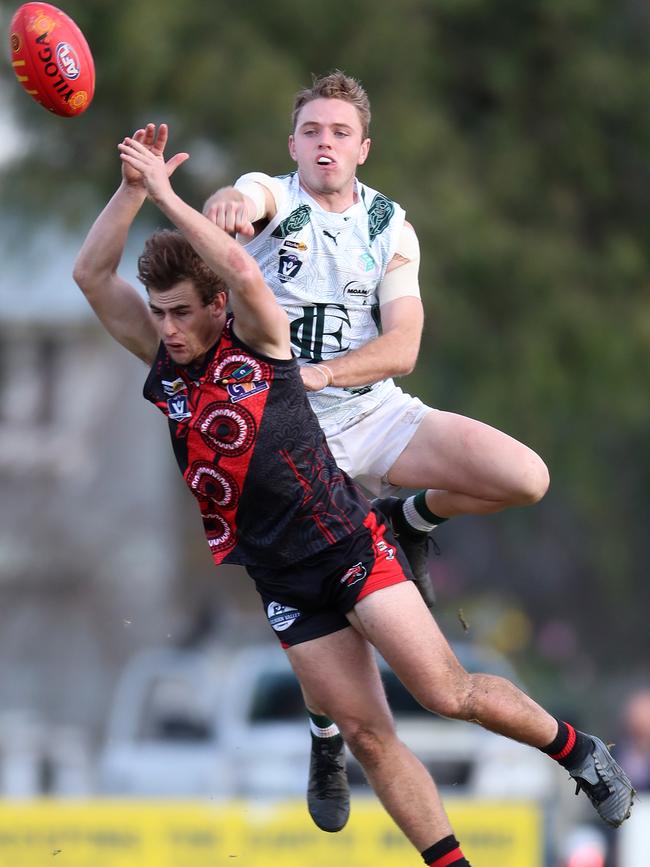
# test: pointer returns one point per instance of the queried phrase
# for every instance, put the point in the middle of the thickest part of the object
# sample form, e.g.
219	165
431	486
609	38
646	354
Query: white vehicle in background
226	724
220	724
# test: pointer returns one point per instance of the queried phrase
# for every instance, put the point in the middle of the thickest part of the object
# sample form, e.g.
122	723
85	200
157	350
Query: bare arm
393	353
118	305
259	321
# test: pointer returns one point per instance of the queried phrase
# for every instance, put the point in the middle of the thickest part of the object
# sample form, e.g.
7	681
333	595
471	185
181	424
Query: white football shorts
368	447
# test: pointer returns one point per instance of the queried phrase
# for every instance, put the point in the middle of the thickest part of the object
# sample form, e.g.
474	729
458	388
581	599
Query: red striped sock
569	746
445	853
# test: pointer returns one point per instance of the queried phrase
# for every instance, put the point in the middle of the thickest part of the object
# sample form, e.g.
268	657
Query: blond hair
335	85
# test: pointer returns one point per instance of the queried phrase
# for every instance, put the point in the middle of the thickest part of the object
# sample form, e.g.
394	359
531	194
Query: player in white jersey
343	261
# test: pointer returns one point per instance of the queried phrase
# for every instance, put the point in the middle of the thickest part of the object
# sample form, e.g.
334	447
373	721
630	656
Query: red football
51	59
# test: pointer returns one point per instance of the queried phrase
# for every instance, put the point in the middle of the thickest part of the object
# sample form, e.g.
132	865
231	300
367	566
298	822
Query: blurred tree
516	134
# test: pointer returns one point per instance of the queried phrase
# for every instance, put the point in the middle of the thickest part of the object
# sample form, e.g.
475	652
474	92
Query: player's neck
337	202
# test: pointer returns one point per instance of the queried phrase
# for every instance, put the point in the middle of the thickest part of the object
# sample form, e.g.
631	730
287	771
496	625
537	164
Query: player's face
186	326
328	145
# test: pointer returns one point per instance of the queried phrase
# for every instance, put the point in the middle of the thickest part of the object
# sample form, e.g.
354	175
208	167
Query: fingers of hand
161	138
232	217
174	162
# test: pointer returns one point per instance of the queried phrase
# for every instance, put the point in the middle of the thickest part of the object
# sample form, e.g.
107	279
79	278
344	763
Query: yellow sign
212	834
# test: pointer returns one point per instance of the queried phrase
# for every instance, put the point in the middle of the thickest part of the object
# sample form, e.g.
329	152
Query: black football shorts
310	598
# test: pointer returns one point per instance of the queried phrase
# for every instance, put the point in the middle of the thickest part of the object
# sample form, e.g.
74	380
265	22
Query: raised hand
143	160
150	139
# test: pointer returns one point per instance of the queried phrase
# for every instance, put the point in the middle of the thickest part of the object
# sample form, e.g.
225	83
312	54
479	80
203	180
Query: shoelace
596	792
328	766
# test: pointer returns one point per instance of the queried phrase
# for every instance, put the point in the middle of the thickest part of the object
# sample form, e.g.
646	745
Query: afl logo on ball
280	616
67	61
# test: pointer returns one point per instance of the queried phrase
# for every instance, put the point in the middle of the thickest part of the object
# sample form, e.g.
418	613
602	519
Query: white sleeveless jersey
324	269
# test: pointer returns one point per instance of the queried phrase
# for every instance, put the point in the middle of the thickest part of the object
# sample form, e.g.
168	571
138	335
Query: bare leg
400	626
469	467
339	671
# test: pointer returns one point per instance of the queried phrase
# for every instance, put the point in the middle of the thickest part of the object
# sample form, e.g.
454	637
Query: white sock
414	518
329	732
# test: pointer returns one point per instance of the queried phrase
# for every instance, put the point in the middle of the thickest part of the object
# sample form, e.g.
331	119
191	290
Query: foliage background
517	137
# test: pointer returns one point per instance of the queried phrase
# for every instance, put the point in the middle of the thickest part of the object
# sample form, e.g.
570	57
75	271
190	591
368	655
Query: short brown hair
168	258
335	85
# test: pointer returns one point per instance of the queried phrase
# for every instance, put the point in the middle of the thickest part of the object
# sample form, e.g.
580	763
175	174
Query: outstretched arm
259	321
119	306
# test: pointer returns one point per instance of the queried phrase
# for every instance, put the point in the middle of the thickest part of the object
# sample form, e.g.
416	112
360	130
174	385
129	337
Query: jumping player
332	580
343	262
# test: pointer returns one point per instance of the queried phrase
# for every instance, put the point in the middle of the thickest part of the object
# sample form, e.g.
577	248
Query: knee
455	699
368	743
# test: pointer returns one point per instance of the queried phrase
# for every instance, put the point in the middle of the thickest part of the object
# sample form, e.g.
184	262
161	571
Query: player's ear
363	153
292	148
218	303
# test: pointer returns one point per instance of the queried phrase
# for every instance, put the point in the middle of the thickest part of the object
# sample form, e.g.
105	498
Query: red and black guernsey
253	454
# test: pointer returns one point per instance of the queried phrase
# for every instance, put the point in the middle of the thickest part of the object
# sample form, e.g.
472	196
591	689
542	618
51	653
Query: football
51	59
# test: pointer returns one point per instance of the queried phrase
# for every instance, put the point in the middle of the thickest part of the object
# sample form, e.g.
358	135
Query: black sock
569	746
445	852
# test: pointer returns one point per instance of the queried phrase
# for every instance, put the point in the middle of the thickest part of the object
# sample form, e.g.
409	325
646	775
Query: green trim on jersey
379	215
294	222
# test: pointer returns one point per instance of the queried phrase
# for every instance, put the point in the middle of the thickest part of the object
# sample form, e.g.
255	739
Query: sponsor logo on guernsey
173	386
294	245
241	390
354	574
288	267
357	289
280	616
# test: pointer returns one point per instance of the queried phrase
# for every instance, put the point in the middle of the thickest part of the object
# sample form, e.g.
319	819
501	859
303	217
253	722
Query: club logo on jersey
379	215
288	267
366	262
318	324
241	390
355	574
238	374
234	367
280	616
293	223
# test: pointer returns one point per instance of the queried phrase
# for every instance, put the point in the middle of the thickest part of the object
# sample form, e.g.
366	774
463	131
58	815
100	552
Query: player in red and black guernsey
252	452
333	581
